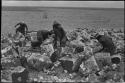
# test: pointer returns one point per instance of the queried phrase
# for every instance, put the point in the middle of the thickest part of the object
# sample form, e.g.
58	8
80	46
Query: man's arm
26	27
48	41
17	24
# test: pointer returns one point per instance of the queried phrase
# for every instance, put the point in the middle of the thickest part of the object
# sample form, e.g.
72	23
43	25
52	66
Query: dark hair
56	25
115	60
51	32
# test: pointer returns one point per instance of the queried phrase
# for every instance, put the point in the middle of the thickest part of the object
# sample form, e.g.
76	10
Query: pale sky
102	4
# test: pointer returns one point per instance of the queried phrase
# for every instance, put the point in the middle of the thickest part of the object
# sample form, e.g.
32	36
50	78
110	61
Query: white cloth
34	36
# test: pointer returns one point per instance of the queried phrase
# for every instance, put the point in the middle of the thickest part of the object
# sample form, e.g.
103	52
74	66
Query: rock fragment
40	62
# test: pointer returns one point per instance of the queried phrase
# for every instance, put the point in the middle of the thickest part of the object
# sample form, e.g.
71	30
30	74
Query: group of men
58	34
61	40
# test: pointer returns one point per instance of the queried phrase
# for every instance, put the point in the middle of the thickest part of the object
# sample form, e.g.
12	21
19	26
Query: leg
60	51
77	64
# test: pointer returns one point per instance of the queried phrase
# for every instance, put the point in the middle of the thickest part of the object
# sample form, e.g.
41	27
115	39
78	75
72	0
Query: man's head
56	24
51	33
23	22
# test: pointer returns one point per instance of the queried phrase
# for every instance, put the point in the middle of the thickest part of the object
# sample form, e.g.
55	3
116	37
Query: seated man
39	37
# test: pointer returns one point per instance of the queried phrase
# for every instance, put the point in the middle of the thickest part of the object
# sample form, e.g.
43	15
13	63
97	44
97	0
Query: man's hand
47	41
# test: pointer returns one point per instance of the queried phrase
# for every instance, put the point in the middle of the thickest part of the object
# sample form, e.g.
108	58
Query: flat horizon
95	4
36	8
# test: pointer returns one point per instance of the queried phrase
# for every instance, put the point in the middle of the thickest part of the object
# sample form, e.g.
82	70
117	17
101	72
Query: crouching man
39	38
107	43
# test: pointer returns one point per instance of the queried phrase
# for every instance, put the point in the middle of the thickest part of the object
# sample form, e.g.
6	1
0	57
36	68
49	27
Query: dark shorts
35	44
63	42
110	50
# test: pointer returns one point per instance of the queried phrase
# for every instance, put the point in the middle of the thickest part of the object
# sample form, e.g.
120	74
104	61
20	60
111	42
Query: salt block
67	63
5	50
76	43
48	48
23	75
91	64
103	59
67	50
40	62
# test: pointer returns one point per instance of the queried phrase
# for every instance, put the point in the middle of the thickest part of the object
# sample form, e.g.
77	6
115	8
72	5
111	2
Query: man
21	30
60	34
40	38
108	46
22	27
60	38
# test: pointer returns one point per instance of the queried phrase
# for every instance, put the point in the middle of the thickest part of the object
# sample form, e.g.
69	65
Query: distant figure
22	28
107	43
